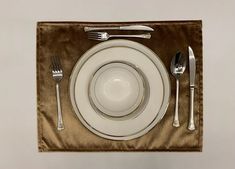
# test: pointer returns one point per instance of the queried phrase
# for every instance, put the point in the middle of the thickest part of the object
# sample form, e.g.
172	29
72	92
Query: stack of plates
119	89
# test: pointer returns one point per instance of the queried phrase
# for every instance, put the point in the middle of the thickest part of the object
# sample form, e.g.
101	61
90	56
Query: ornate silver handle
60	124
176	116
191	124
87	29
145	36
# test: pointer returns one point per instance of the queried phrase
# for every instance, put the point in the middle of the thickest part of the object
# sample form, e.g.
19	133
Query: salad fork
57	74
102	36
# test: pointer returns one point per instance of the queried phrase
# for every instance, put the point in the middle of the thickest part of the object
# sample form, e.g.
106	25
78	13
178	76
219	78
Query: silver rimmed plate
119	89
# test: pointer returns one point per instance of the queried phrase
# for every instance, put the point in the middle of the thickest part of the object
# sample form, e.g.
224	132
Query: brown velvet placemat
69	41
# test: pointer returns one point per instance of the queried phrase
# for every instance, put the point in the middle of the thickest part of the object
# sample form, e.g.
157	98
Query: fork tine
53	63
95	35
58	64
92	35
99	34
95	38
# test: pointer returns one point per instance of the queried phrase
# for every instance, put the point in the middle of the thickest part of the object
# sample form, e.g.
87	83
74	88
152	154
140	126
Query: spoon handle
176	116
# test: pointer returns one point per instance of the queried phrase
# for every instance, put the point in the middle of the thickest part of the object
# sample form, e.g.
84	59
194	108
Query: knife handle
87	28
191	124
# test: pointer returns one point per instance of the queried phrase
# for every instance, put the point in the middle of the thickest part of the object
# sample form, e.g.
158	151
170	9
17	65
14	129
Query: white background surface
18	129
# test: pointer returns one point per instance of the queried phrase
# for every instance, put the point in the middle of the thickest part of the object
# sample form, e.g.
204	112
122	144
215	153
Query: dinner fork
102	36
57	74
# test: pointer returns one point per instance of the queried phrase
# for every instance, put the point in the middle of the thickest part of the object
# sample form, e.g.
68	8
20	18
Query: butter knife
192	73
129	27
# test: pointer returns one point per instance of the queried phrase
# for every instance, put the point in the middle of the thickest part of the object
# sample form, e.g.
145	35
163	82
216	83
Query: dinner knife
192	73
129	27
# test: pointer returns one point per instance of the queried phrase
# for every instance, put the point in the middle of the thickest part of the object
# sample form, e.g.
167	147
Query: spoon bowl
178	65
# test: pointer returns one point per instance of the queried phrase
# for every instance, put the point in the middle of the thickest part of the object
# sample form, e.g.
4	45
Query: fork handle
144	36
60	124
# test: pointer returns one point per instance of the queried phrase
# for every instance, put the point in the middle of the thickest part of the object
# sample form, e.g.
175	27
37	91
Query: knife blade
129	27
192	74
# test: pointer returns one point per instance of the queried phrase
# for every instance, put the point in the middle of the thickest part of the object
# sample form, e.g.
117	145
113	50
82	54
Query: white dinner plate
119	89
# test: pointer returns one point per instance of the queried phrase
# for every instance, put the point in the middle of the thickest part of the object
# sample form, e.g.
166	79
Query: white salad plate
119	89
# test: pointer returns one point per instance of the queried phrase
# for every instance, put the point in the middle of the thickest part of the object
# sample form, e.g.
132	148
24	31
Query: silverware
57	74
102	36
130	27
178	65
192	73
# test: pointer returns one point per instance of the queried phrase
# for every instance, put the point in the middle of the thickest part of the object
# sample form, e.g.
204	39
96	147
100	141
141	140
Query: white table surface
18	125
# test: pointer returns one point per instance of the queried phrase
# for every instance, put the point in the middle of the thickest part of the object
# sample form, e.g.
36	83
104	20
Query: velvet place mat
69	41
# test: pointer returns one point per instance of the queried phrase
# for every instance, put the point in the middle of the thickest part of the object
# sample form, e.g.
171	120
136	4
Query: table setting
120	86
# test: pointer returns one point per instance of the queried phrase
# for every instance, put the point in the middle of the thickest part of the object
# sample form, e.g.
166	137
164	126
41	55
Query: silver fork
102	36
57	74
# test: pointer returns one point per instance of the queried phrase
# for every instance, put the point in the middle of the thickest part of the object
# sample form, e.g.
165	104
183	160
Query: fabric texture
69	41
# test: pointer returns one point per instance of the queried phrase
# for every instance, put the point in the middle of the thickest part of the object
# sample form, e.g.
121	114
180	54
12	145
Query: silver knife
130	27
192	74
